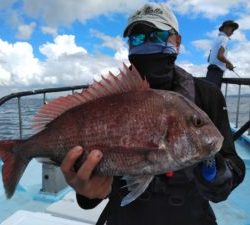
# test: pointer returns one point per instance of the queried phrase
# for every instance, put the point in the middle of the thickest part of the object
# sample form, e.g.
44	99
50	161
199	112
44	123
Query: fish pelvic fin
13	166
127	80
136	185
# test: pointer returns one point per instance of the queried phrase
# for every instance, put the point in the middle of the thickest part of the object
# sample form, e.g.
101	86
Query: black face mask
156	68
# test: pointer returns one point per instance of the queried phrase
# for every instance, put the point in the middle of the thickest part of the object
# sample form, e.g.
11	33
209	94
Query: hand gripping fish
141	132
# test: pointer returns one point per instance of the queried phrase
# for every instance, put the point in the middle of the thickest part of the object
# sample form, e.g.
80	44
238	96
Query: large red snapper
141	132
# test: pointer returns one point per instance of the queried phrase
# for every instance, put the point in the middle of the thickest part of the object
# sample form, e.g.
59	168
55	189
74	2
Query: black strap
103	216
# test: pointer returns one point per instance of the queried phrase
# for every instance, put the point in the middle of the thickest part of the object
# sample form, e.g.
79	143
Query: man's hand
82	181
230	66
220	187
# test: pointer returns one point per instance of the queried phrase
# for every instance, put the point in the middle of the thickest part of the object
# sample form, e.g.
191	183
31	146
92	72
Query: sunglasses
154	37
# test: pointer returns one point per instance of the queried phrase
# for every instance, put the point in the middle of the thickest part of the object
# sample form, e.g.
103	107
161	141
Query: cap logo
148	11
158	16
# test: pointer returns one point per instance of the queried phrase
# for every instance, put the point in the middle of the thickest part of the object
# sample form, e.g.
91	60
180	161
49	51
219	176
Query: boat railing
233	81
240	82
43	92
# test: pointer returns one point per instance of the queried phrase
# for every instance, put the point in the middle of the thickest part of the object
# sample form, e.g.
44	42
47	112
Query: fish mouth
214	145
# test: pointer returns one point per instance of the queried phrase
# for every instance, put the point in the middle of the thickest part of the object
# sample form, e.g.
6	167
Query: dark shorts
214	75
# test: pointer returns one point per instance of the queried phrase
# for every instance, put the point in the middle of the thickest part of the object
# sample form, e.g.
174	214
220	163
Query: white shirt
220	41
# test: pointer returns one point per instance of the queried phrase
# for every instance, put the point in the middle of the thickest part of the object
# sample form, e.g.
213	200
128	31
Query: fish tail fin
13	166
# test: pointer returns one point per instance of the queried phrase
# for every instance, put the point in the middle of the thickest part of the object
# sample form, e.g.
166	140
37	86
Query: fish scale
97	130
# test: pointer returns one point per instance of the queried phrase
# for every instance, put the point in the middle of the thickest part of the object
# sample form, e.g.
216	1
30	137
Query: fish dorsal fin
127	80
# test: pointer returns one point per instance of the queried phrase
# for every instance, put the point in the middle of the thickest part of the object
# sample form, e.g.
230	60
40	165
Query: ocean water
9	119
244	109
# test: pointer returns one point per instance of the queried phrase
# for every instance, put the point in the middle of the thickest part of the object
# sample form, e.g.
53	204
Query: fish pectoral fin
136	186
163	143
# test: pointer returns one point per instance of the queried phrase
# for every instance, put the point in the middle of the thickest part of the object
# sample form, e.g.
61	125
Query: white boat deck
22	217
71	210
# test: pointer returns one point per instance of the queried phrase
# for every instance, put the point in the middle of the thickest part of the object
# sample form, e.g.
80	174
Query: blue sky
51	43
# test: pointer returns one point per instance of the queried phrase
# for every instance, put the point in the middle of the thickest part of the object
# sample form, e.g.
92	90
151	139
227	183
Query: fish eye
196	120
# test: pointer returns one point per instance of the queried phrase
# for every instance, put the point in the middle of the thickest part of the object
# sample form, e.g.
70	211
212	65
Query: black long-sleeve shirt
157	205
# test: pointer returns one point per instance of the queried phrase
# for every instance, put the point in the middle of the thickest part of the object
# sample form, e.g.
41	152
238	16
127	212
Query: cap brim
234	25
155	24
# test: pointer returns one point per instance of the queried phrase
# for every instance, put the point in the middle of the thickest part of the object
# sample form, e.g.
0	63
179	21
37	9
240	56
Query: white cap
155	15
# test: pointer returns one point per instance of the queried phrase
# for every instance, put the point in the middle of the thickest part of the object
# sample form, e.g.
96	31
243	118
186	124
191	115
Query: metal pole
44	98
249	120
226	91
20	117
238	107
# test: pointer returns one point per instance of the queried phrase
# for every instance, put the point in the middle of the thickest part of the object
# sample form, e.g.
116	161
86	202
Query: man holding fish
154	140
176	197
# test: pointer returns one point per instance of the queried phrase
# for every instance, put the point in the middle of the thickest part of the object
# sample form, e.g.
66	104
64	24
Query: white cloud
208	8
25	31
65	64
183	49
122	55
5	76
244	22
203	44
6	3
63	12
240	58
13	18
108	41
115	43
63	45
49	30
195	70
18	60
239	36
52	14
